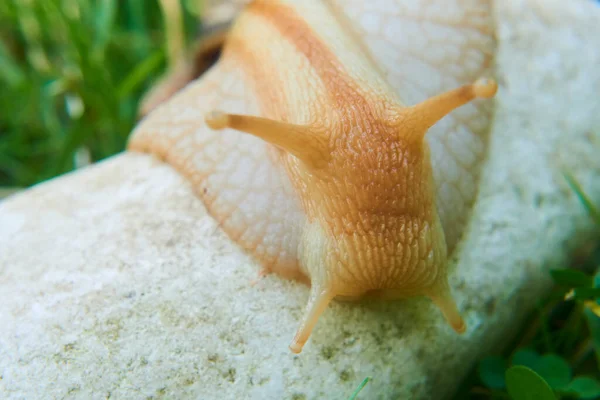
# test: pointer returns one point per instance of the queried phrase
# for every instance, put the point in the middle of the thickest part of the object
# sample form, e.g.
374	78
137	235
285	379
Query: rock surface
115	283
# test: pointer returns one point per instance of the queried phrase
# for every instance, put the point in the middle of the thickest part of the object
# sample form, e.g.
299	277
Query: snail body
310	160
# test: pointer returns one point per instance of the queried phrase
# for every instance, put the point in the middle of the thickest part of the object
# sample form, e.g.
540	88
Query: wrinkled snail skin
309	159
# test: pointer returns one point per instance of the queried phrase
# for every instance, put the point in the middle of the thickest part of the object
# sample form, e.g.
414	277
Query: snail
301	143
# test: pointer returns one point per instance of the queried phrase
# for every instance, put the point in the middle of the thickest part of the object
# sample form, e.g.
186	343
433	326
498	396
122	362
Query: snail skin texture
301	143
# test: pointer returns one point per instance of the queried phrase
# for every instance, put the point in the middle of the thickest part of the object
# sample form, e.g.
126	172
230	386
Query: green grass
557	352
71	76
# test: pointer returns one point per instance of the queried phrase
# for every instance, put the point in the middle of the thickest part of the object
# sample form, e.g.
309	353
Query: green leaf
491	372
555	370
571	278
597	280
523	383
526	357
593	322
359	388
586	293
584	388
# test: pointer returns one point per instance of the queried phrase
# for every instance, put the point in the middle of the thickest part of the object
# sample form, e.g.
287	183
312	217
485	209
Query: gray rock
116	283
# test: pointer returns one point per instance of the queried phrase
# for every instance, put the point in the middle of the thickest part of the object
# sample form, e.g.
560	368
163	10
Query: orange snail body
331	180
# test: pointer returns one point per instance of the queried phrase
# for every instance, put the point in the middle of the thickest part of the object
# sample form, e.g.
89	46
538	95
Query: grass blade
359	388
583	198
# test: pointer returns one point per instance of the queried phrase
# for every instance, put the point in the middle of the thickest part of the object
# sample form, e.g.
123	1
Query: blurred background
72	73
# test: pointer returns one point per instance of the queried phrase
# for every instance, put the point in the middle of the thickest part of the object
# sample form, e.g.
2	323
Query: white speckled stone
114	282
